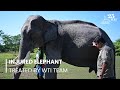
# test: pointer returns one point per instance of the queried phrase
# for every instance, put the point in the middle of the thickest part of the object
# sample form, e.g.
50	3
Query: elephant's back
79	34
77	41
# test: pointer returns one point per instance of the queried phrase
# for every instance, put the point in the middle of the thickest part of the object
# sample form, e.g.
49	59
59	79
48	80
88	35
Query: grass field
72	71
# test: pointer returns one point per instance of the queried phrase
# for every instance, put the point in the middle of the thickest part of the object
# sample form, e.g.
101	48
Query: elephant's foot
50	70
92	69
50	75
17	72
16	75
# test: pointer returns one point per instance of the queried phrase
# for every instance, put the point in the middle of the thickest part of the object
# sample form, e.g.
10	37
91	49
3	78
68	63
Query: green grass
73	72
3	57
117	67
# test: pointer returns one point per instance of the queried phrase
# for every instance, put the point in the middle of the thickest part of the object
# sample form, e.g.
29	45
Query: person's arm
105	60
103	70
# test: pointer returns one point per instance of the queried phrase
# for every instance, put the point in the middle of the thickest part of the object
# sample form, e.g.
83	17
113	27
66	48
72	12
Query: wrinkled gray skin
70	41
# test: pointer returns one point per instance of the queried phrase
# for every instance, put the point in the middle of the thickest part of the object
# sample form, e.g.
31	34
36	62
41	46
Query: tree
117	47
16	42
1	46
11	43
8	42
1	33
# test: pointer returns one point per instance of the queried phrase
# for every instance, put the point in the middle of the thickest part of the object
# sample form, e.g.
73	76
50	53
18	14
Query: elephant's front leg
51	72
52	53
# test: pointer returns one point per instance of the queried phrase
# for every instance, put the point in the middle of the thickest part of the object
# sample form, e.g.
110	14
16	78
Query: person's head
99	42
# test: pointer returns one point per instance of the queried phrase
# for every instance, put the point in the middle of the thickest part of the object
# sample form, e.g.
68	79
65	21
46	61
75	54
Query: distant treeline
11	43
8	42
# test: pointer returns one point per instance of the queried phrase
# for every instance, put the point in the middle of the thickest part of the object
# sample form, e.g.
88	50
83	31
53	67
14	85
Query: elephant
69	40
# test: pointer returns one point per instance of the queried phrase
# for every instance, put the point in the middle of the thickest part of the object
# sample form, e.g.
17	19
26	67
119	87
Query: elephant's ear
51	33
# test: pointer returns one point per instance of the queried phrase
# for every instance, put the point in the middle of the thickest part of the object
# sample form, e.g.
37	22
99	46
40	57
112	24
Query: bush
117	47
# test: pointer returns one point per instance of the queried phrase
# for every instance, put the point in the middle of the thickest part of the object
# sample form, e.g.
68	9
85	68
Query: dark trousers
39	77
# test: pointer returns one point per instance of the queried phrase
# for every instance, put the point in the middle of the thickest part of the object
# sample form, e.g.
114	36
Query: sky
11	22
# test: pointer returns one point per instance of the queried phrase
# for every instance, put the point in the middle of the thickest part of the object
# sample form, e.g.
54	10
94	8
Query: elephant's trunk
24	51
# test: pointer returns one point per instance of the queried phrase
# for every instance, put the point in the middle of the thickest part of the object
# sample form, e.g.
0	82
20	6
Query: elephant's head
35	33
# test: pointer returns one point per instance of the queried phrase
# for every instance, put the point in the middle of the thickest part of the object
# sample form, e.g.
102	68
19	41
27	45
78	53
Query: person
38	66
105	61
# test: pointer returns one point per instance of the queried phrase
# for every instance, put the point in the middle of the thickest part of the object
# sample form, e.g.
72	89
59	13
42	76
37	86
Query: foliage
117	47
1	33
8	42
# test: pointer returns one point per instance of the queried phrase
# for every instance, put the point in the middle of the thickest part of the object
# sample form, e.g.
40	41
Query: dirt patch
28	75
